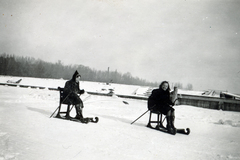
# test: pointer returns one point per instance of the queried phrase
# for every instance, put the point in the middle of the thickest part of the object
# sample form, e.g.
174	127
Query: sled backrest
63	99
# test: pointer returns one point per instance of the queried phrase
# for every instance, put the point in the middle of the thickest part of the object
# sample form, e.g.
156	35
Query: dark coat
72	89
160	100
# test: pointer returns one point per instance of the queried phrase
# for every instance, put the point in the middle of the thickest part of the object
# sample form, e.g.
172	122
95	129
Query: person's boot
78	112
172	123
169	126
79	115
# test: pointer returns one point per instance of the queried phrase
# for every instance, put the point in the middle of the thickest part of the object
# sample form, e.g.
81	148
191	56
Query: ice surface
27	132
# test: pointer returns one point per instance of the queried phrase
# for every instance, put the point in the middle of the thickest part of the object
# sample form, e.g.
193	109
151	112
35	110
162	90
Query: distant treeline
30	67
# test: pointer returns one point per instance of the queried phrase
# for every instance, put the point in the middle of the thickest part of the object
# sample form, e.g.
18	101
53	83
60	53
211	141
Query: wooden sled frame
159	120
65	101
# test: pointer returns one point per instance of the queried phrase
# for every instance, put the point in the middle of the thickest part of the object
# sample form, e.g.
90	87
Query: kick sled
160	126
67	102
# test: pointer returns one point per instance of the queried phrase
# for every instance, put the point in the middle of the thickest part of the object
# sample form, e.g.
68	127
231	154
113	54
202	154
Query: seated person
72	90
160	101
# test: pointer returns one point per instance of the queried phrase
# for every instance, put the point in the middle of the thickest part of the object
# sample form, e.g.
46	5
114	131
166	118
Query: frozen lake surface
27	132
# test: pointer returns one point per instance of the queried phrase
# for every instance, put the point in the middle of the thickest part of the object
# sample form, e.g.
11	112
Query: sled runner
83	120
86	120
161	127
164	129
66	101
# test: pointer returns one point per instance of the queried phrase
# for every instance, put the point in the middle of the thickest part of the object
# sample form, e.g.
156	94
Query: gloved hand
82	91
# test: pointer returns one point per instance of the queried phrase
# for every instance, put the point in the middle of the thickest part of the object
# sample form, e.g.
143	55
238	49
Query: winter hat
75	75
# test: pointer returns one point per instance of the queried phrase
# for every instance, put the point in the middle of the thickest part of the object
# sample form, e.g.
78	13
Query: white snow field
27	132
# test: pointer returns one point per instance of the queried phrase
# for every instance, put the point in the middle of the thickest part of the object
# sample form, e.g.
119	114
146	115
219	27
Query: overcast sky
186	41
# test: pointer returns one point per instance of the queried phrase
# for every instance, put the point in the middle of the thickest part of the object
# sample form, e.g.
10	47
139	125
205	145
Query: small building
229	95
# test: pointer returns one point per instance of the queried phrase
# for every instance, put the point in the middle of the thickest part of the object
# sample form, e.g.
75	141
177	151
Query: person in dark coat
72	90
160	101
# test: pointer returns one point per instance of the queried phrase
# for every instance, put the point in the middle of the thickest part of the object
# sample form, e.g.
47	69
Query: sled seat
64	101
159	120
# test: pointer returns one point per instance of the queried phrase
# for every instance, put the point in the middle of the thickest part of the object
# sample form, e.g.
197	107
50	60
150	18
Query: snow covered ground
27	132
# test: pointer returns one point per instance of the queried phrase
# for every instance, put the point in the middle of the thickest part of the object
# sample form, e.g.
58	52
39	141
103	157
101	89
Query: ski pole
89	95
143	114
54	111
140	116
